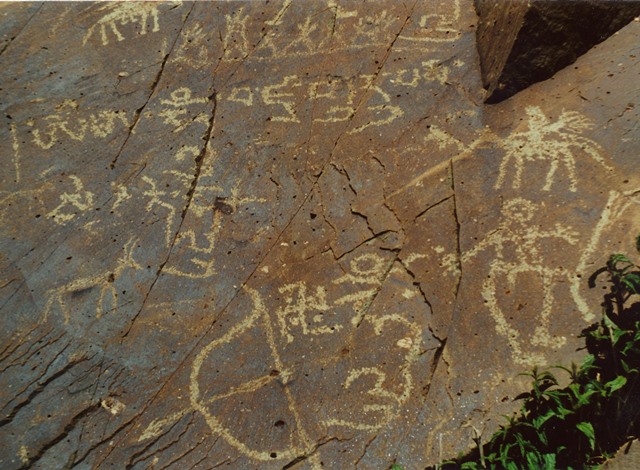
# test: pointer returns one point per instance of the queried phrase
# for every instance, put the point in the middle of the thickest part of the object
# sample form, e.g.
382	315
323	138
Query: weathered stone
521	43
270	235
567	192
628	457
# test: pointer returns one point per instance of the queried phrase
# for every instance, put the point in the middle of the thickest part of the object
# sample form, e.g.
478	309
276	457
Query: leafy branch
586	422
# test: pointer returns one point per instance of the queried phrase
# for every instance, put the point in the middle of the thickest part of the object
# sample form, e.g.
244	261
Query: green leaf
549	461
587	429
632	281
588	363
609	323
533	460
470	466
583	398
504	454
542	436
540	420
617	334
616	383
638	244
618	258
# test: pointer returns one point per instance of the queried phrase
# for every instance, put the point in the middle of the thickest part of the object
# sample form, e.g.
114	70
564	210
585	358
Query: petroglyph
121	194
67	123
200	244
337	95
299	309
617	205
299	442
369	28
437	27
175	110
274	95
434	71
340	11
15	145
311	37
278	18
303	309
196	55
389	395
24	455
552	141
234	42
104	281
112	405
347	31
242	95
122	14
294	264
369	270
304	43
517	256
157	199
386	111
341	91
80	199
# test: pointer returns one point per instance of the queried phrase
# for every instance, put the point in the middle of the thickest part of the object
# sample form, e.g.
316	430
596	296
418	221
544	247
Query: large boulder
288	235
521	43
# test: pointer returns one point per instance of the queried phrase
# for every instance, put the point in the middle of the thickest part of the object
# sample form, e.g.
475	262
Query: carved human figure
517	246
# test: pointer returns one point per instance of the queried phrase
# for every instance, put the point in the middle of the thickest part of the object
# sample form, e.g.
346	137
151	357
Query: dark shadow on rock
521	43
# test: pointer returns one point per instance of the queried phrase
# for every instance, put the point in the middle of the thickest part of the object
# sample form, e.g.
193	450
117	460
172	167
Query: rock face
521	43
290	235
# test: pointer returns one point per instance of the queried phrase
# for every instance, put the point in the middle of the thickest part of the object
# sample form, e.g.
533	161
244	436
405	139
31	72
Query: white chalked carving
103	281
121	14
555	142
516	244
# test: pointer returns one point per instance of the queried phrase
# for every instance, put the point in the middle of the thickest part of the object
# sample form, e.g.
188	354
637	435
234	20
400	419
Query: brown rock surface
524	42
267	235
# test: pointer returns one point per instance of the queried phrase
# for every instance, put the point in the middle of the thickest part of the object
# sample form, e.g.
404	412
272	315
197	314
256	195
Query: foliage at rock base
586	422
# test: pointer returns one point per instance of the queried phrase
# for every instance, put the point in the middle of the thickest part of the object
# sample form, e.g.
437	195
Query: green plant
584	423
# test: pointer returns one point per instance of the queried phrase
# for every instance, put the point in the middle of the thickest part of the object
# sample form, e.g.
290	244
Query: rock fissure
154	85
6	46
312	452
219	260
69	427
56	354
365	449
185	454
39	342
38	389
436	204
458	227
140	455
199	160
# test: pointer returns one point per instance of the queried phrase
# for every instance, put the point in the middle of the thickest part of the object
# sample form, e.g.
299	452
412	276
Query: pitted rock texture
289	234
521	43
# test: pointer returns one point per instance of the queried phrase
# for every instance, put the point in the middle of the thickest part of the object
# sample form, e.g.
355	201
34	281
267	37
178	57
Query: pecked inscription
285	234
